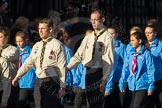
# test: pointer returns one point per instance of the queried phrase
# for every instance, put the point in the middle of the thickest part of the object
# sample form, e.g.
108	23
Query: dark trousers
126	98
12	101
113	100
117	99
46	93
25	96
94	96
158	94
78	101
138	98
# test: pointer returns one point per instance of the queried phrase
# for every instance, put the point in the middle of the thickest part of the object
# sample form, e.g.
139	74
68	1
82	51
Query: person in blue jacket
131	31
63	36
155	45
139	73
27	82
112	99
79	83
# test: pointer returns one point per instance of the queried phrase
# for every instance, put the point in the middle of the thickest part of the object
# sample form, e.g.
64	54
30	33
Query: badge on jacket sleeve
36	50
100	46
52	54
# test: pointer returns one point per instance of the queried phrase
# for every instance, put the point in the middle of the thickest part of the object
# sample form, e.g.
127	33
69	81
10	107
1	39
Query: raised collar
142	49
48	39
5	46
155	42
98	33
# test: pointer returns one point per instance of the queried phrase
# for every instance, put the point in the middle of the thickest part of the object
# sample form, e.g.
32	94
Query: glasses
94	20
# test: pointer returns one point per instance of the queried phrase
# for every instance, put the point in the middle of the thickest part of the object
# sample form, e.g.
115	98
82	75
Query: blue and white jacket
143	79
156	51
28	80
118	64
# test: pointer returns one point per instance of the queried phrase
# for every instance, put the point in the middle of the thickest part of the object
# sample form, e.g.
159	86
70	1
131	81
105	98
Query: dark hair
47	21
139	35
113	27
154	23
101	12
63	36
4	30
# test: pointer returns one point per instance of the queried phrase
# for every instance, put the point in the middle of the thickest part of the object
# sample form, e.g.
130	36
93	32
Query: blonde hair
135	29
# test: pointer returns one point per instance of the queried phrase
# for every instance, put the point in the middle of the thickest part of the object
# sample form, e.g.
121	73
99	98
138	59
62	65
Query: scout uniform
53	64
96	53
12	55
5	79
102	57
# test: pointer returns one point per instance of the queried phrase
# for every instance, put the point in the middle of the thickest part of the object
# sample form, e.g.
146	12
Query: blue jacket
156	51
70	74
79	78
143	79
118	64
28	80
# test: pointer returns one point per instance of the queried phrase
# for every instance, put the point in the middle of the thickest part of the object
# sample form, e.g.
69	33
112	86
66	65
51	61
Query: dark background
124	13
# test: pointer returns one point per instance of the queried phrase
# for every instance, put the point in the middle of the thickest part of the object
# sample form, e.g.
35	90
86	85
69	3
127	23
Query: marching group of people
110	73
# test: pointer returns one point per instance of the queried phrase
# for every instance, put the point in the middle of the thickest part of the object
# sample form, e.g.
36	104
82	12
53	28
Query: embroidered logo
52	54
100	46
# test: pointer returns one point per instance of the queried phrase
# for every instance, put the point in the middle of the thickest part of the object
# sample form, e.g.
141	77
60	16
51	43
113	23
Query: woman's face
150	34
3	39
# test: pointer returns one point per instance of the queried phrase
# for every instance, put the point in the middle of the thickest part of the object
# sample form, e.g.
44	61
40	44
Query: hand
67	69
62	92
15	81
149	93
75	89
122	91
102	86
107	94
2	105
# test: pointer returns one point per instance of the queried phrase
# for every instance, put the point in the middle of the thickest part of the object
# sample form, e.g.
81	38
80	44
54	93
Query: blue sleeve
124	75
78	75
109	85
150	71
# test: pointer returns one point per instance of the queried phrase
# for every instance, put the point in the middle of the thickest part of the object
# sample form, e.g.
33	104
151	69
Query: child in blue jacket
139	73
112	99
155	46
27	82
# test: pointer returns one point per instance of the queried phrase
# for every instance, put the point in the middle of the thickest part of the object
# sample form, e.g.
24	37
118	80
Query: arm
61	63
150	72
12	54
78	56
6	82
124	75
108	58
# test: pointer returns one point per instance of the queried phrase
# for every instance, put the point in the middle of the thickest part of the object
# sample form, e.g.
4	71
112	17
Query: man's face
96	21
3	39
44	30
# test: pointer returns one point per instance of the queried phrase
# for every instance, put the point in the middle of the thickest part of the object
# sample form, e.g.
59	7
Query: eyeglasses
94	20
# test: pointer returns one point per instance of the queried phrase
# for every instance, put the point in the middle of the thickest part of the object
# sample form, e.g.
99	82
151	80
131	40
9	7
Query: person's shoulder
37	44
3	60
108	35
11	48
122	44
